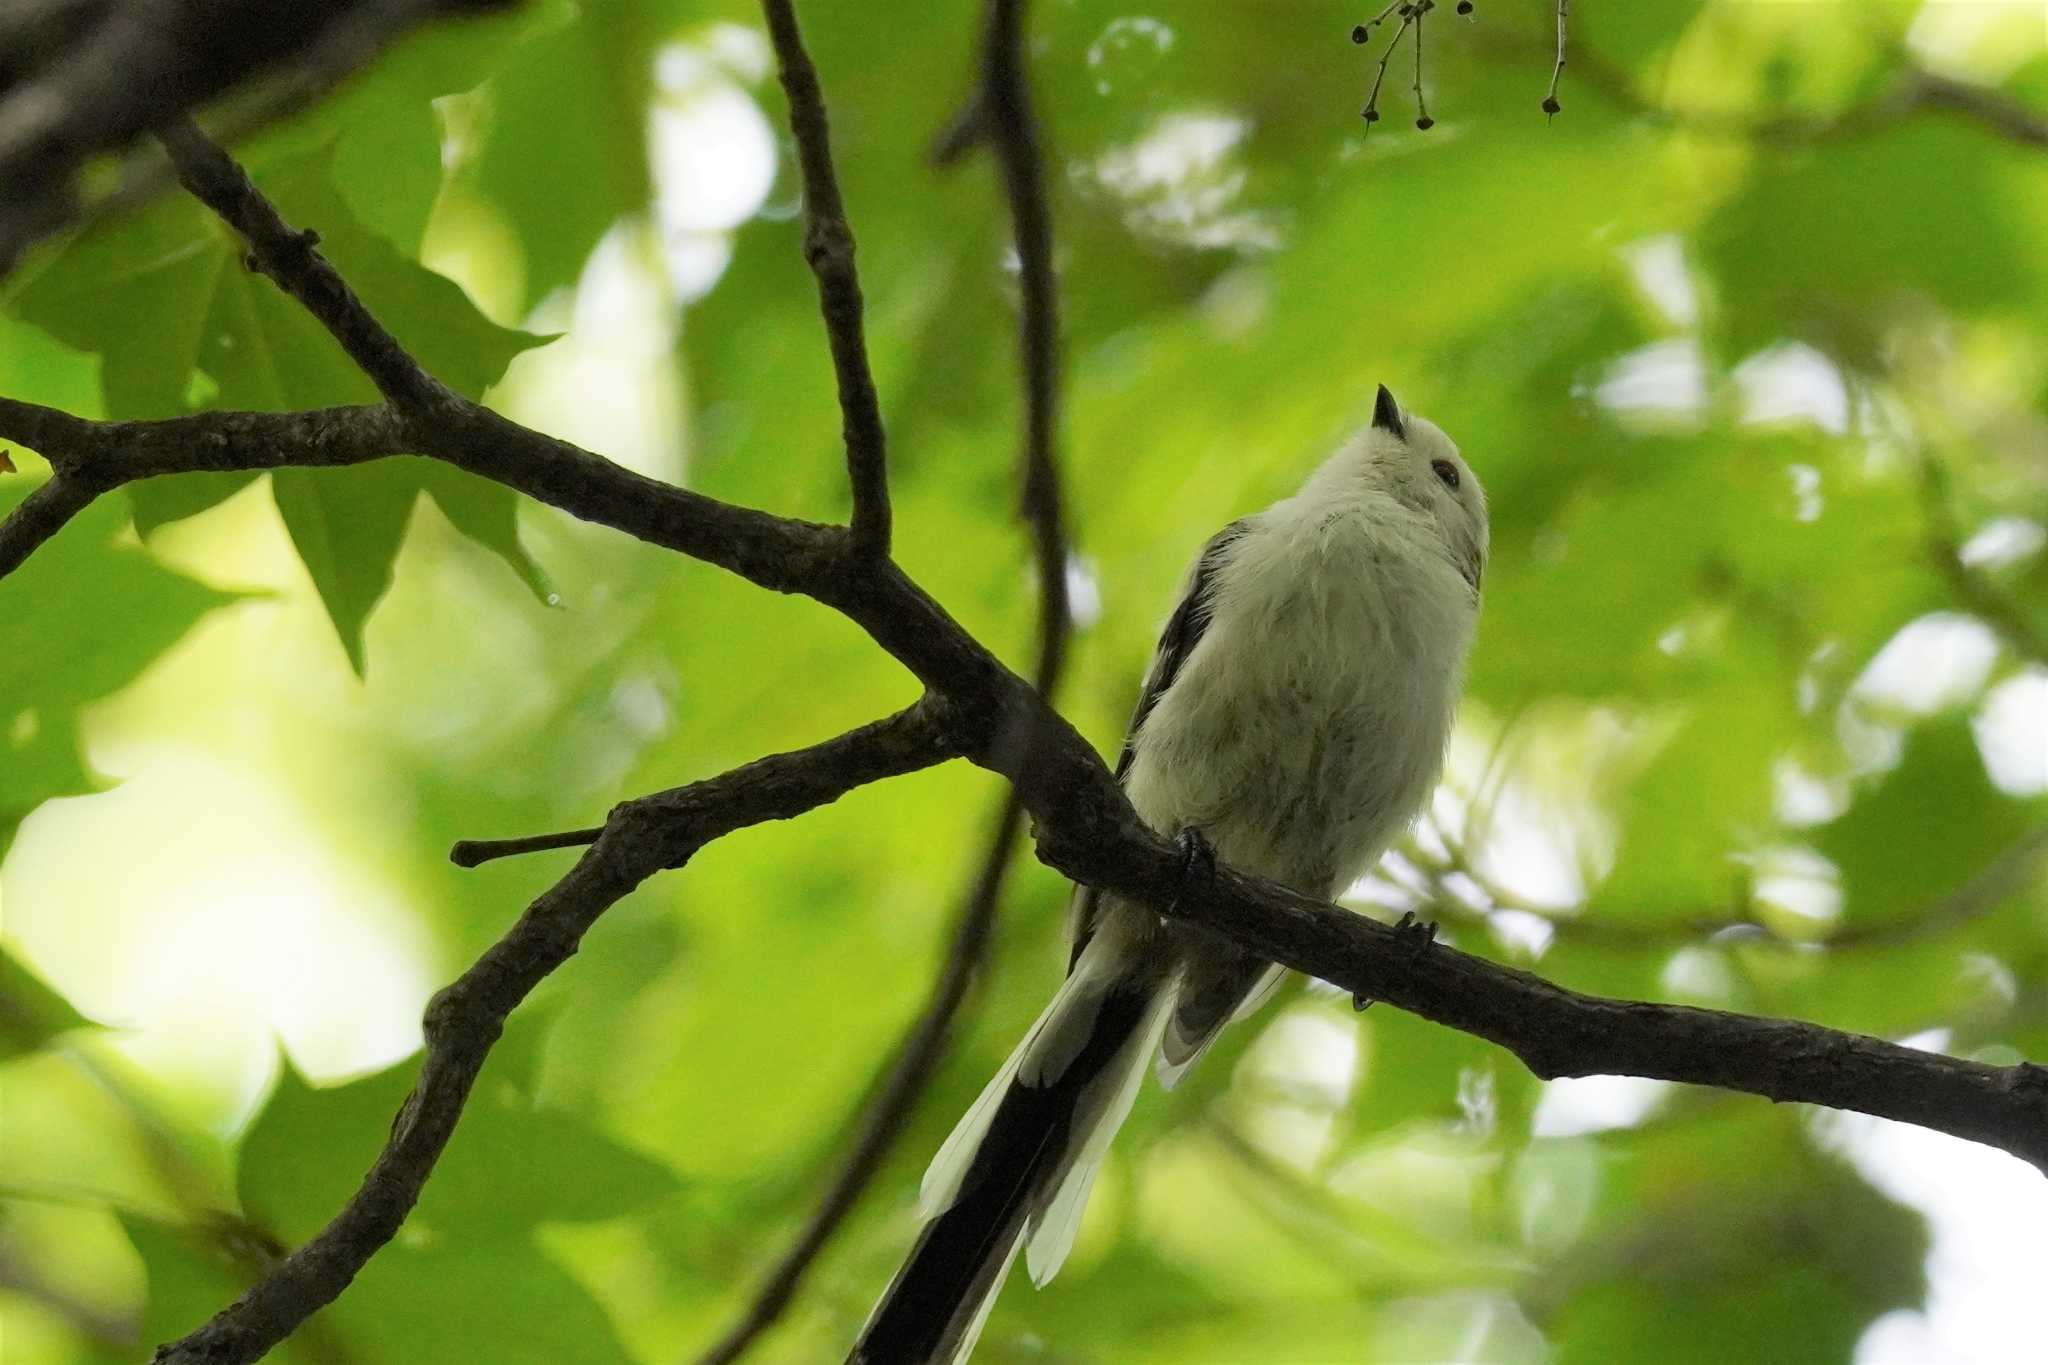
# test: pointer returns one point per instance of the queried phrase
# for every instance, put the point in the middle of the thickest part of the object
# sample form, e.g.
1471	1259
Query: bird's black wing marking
1183	632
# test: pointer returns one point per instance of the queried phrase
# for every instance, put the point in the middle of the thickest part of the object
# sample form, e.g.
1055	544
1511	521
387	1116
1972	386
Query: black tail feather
941	1285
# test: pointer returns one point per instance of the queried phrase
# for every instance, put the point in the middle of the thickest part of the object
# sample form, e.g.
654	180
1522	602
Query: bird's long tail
1018	1167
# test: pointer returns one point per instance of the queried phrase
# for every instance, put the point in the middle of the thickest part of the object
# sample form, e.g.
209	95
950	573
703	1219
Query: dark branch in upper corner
639	839
81	78
828	247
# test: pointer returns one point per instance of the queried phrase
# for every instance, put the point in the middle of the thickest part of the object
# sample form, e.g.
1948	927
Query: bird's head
1409	458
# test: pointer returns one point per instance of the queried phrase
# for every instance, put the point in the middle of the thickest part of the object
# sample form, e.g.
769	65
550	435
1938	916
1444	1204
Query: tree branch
292	261
1012	130
640	838
828	247
39	516
1558	1032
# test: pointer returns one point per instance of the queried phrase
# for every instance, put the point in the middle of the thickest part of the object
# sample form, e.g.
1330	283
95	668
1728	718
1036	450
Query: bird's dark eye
1446	471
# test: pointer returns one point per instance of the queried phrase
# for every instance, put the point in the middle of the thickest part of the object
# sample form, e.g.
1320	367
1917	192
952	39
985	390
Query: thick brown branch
463	1021
828	246
39	516
1558	1032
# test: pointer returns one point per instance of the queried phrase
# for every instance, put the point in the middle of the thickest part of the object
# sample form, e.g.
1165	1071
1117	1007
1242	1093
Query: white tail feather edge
1048	1049
1106	1104
965	1346
1171	1070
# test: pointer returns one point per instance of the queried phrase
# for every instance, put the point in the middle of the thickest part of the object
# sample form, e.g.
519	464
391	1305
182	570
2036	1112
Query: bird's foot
1417	933
1197	858
1421	932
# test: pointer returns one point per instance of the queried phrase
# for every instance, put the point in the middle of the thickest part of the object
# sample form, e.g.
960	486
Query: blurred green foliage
1704	361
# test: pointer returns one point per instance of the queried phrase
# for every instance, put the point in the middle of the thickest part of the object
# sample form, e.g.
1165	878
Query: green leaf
488	513
194	1271
60	657
347	525
387	135
495	1300
31	1014
1925	828
1786	261
509	1166
54	658
41	759
176	265
564	154
1686	1206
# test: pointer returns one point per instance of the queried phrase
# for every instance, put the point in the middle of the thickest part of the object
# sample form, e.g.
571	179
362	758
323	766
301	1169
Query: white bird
1293	720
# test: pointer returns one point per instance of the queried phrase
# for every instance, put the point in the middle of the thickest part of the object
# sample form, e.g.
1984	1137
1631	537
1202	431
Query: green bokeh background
1675	721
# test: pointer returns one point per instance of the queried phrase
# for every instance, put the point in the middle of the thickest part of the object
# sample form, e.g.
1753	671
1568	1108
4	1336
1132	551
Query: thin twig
828	246
1007	124
465	1019
1371	112
477	852
293	261
1422	119
1013	133
1550	104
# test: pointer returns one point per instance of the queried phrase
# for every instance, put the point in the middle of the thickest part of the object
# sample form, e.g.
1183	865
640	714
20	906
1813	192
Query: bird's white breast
1309	722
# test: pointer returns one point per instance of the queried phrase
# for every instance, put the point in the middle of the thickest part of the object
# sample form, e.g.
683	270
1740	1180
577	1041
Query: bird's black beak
1386	414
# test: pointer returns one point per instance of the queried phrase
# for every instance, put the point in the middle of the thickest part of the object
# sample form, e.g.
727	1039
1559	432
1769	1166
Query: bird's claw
1197	858
1196	852
1419	932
